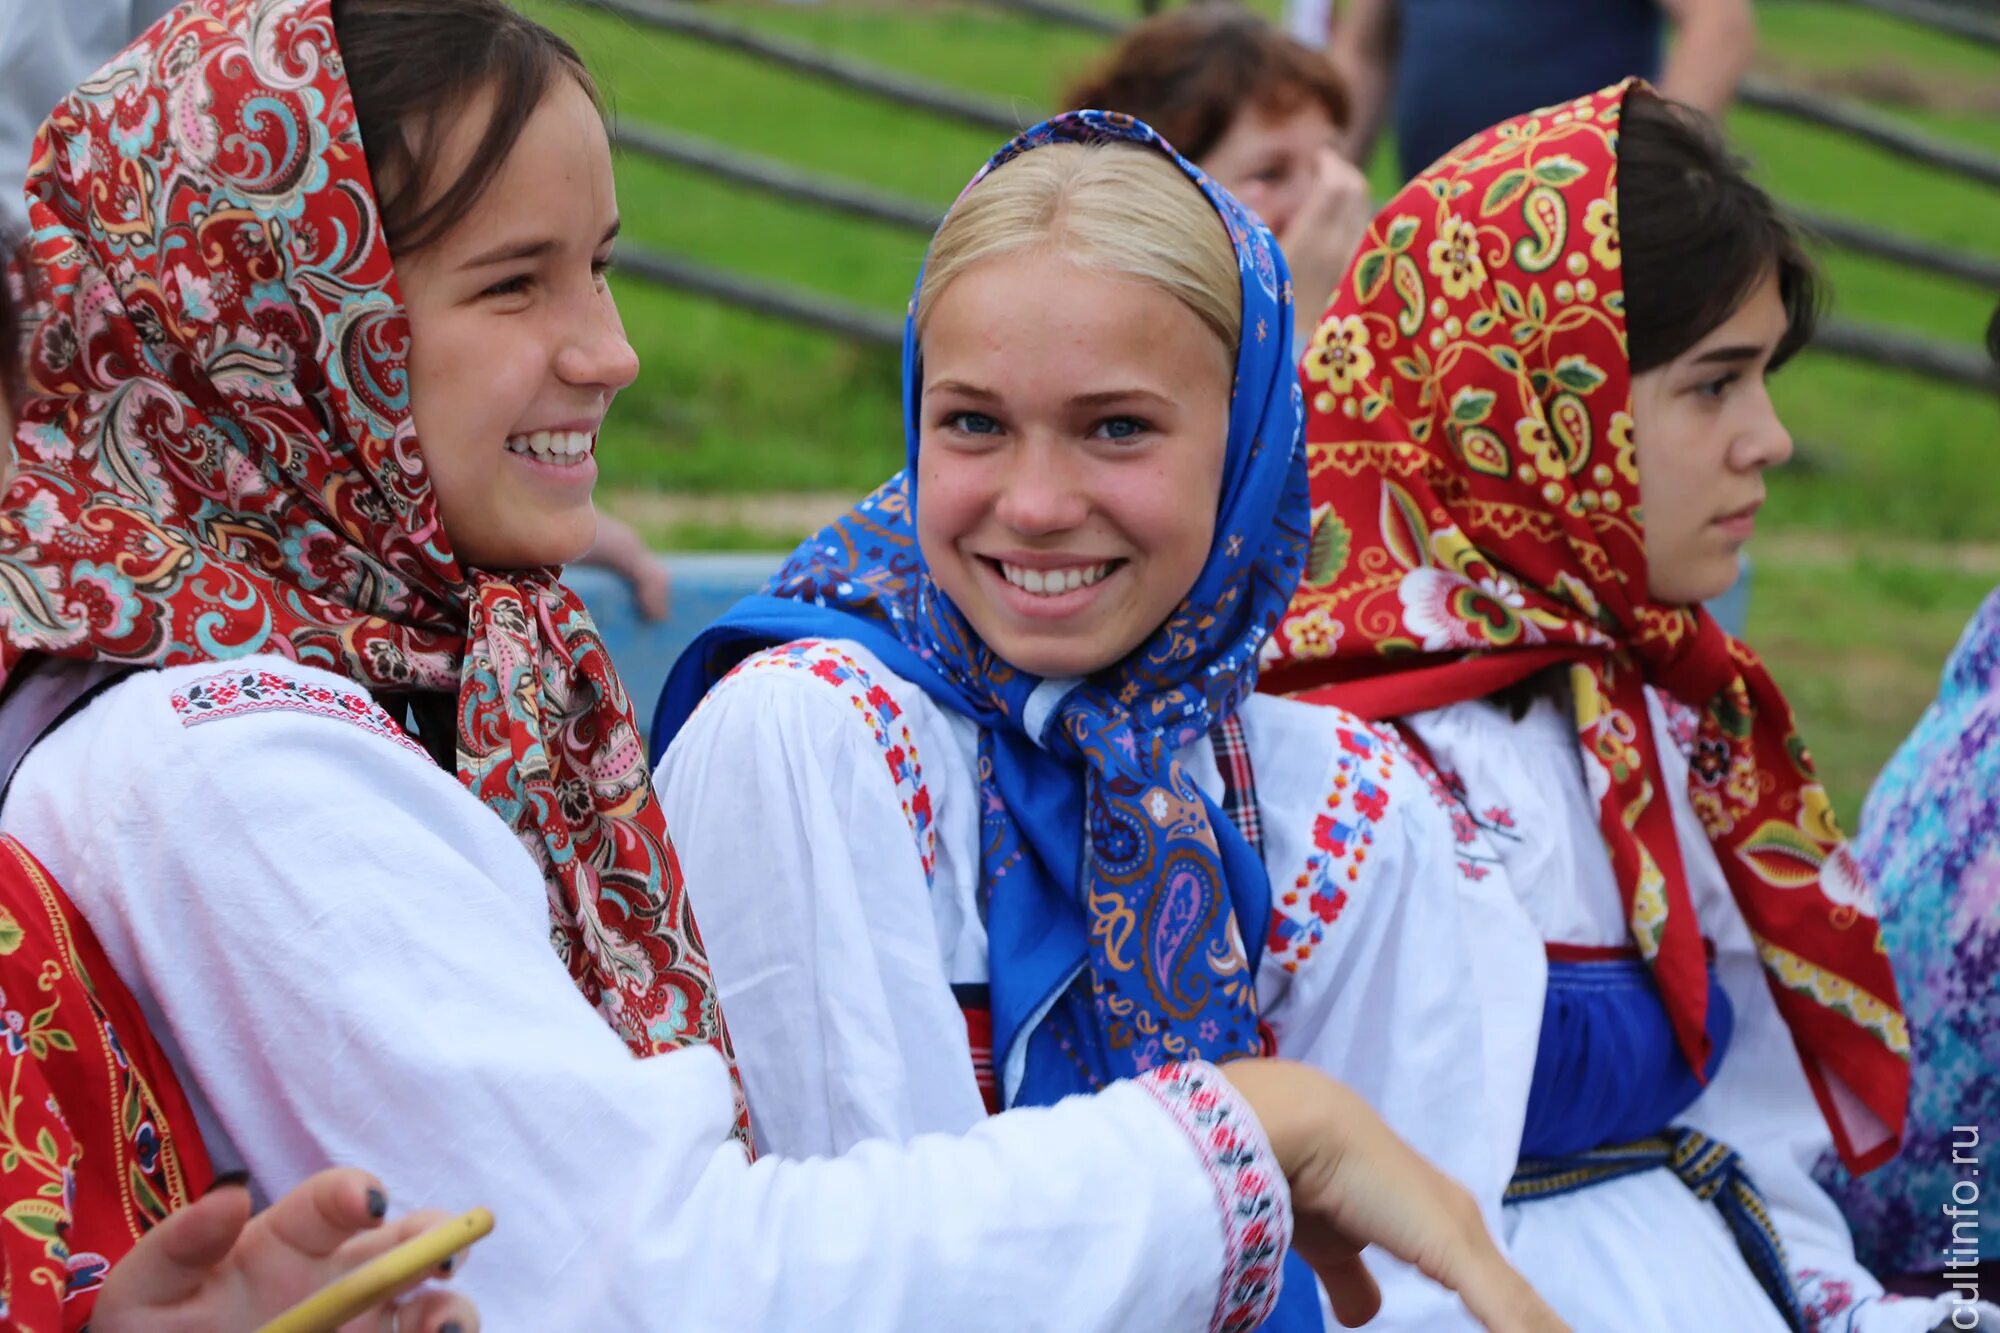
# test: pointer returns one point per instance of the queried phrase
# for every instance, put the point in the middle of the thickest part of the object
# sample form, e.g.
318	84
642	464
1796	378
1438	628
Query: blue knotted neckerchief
1117	897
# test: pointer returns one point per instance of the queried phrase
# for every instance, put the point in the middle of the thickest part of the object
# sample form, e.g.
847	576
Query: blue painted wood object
705	585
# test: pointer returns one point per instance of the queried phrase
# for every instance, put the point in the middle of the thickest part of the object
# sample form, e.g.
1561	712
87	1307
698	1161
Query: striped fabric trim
1608	953
1239	780
975	1001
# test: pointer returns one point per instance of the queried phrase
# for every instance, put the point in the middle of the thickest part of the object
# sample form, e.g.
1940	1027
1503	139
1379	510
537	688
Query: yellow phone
355	1293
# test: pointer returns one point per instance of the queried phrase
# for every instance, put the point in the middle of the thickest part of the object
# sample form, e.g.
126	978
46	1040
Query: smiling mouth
561	448
1054	582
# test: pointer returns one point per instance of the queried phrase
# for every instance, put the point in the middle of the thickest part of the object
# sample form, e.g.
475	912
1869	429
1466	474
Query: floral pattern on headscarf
1476	519
1112	885
217	458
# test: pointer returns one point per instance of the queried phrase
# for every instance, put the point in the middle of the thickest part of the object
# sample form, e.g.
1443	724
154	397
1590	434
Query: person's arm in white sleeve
810	885
353	958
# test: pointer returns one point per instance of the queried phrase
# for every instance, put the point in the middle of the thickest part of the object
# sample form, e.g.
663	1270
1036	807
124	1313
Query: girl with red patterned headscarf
113	1217
1537	432
340	777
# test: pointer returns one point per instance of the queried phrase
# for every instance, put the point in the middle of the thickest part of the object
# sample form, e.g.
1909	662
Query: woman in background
1261	115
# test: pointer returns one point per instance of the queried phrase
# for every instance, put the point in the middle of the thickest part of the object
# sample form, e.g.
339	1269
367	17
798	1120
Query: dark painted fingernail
444	1269
378	1203
453	1327
226	1180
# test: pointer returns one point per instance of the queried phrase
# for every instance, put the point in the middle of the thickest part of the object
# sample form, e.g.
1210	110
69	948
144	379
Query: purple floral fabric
1930	842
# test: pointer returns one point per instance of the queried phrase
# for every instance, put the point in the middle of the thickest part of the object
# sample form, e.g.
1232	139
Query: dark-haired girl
114	1218
1538	434
339	774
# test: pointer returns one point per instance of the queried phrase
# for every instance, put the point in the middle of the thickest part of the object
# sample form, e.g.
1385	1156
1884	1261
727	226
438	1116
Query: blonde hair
1115	208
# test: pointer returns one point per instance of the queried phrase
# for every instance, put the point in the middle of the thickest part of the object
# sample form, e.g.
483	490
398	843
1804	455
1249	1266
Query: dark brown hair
1190	73
1698	236
412	66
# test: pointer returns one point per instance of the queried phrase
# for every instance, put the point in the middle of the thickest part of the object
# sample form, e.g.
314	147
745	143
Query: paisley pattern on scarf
1128	956
97	1142
1476	519
217	458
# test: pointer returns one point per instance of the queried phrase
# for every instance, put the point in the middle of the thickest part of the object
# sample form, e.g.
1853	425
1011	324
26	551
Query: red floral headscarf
1476	519
217	458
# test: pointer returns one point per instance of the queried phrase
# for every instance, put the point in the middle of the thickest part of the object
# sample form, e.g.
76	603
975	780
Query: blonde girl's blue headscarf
1088	818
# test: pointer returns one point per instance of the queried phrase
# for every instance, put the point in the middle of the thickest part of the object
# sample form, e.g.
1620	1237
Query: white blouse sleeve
351	957
1392	999
805	853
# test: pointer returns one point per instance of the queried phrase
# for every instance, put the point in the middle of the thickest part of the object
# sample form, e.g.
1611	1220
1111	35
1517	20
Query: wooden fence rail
1886	347
687	20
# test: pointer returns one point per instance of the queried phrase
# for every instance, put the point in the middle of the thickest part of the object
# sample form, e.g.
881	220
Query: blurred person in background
1930	840
1444	70
1262	114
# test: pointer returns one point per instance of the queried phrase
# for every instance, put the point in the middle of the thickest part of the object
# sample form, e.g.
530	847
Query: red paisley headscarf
217	458
1476	519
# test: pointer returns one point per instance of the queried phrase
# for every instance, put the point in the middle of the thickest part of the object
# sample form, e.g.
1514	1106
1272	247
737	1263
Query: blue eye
1122	428
972	423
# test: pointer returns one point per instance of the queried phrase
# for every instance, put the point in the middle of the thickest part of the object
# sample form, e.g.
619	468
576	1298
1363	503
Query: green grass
1837	37
1858	639
734	403
1897	457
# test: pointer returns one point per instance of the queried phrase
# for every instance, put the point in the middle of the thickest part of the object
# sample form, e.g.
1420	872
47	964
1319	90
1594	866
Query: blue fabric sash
1608	1066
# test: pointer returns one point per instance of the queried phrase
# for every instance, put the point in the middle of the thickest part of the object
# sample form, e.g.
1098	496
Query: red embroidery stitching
882	716
1302	913
238	693
1256	1230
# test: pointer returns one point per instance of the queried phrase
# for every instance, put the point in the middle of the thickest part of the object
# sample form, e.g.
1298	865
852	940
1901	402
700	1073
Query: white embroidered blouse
827	812
346	958
1643	1252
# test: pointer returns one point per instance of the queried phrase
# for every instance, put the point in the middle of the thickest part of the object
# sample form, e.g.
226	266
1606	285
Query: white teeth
552	446
1049	582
